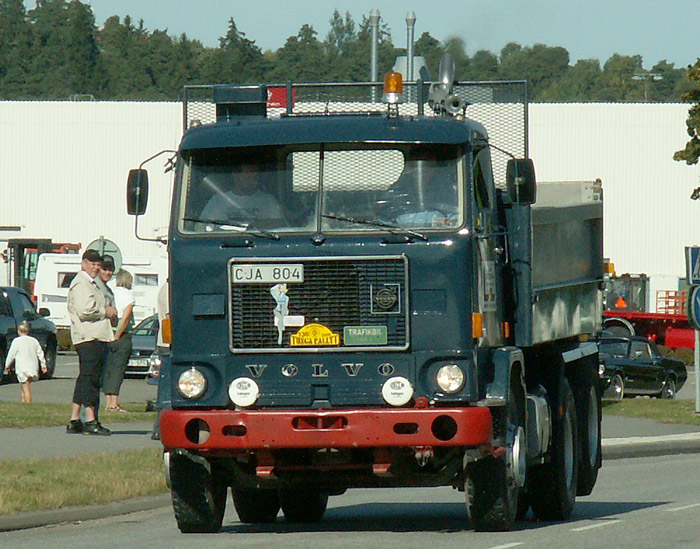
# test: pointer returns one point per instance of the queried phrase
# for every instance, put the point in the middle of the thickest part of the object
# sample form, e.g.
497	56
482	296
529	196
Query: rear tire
552	486
492	485
199	498
668	391
303	505
255	505
589	415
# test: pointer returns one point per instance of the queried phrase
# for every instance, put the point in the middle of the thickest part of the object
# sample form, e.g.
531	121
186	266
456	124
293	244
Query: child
26	353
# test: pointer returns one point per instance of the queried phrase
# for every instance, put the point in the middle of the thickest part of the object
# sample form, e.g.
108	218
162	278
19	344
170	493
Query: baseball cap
92	256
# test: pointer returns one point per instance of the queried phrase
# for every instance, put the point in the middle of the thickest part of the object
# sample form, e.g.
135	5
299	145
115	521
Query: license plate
142	362
267	274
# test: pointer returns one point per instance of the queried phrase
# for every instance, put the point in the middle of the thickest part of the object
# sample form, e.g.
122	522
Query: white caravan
55	272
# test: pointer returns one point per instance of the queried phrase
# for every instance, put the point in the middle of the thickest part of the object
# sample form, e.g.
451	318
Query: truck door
489	257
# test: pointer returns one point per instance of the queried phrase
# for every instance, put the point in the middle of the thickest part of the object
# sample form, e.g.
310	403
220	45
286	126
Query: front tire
492	485
303	505
616	390
199	498
50	355
552	486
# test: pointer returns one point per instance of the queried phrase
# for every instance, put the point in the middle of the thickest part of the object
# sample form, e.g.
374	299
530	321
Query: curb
35	519
613	448
661	445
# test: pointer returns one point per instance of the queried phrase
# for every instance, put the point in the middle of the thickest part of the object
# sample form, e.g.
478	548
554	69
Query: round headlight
192	383
397	391
450	378
243	392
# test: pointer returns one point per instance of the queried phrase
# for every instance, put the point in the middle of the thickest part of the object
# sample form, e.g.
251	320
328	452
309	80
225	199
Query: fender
498	391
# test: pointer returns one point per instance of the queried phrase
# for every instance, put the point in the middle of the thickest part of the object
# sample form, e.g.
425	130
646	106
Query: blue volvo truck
369	289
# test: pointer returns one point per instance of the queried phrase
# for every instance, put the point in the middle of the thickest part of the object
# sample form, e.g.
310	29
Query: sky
591	29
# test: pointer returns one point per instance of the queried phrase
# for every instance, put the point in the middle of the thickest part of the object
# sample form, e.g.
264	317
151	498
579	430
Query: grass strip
663	411
45	414
32	485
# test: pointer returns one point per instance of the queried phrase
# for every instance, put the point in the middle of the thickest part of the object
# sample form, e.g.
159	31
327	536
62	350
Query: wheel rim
618	389
516	461
593	427
669	388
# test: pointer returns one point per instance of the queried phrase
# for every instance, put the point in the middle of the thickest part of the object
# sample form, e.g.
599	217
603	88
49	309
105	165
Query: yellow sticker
314	335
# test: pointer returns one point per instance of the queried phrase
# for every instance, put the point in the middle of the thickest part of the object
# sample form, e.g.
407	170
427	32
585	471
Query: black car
143	344
633	365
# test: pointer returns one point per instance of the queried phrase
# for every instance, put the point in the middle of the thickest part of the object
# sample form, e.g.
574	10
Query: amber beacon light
393	88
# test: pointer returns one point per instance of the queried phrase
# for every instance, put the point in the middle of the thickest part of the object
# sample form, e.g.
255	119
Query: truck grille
336	293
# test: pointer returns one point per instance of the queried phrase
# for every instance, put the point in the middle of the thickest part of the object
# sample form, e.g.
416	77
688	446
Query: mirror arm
168	167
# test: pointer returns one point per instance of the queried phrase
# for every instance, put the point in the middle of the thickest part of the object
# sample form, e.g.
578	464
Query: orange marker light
477	326
167	337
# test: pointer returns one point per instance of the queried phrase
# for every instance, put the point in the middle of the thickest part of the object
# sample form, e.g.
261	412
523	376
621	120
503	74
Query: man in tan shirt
90	330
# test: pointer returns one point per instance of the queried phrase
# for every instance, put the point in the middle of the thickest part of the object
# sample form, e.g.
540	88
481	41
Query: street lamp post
647	76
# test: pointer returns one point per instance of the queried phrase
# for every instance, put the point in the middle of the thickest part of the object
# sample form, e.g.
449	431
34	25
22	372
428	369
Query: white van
55	272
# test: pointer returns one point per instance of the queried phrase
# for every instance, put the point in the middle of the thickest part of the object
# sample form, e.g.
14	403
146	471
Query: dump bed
559	262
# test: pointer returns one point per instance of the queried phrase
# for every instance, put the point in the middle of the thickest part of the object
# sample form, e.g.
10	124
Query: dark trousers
91	356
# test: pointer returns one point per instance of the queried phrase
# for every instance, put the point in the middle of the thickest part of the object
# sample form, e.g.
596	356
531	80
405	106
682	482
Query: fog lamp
450	378
243	392
192	383
601	369
397	391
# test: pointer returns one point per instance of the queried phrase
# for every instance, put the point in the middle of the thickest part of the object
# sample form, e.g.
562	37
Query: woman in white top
26	353
120	348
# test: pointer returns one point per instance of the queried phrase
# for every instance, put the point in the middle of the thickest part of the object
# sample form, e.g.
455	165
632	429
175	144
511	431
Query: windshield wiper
393	229
247	227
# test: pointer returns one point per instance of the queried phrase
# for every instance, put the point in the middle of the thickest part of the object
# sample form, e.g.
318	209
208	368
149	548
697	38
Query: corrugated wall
649	217
64	167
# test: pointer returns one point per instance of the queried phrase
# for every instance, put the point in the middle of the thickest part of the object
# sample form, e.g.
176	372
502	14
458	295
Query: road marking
507	545
596	525
683	508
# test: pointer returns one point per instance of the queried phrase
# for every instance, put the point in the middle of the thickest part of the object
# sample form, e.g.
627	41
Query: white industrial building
65	165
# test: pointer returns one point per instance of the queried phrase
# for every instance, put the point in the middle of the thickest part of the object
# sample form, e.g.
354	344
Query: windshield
270	190
613	347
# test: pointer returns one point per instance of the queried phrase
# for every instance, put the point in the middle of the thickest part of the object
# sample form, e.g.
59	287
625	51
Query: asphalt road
641	503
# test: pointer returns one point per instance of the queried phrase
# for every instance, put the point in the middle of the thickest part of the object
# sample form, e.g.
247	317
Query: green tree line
55	51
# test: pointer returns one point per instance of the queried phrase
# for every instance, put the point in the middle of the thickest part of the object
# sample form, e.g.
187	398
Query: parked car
143	344
16	307
633	365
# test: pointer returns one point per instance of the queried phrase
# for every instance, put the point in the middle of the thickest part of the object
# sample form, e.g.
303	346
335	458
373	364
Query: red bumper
226	430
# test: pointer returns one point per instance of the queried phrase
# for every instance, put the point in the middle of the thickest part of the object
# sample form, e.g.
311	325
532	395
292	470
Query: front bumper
221	432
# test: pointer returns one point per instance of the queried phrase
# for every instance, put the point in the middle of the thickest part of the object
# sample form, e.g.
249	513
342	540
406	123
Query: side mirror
137	192
520	179
44	312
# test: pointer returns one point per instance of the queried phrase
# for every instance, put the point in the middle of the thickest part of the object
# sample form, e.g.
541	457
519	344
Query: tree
15	45
237	59
301	59
691	152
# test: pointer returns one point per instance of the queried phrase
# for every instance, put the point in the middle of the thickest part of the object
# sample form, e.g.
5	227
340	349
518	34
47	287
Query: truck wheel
492	485
199	498
552	486
588	413
255	505
303	505
669	389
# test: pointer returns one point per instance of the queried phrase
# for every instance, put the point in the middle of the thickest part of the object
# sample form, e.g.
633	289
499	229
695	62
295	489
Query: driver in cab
238	196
